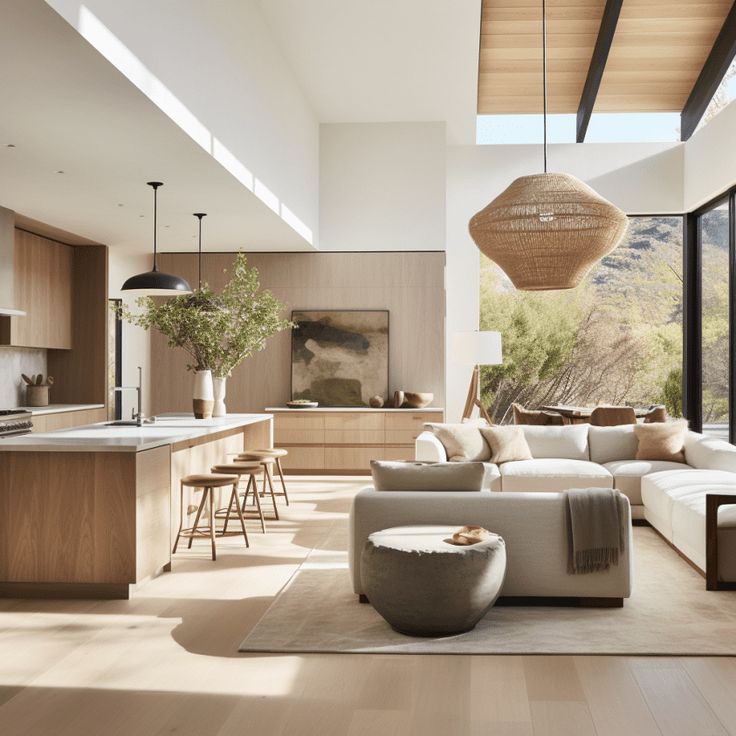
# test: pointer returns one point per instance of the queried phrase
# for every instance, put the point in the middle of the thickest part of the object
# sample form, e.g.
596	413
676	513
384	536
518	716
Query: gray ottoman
425	586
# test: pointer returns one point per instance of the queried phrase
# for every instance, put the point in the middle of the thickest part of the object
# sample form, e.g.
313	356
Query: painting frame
381	389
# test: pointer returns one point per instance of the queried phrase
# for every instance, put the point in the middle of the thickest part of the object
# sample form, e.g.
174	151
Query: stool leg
196	519
181	516
230	508
252	484
283	481
234	498
212	522
267	477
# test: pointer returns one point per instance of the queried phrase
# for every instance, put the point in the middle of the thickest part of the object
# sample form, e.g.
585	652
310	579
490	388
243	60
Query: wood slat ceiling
658	51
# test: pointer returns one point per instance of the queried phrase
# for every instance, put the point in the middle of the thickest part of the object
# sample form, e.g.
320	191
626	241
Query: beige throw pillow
462	442
661	441
417	476
507	444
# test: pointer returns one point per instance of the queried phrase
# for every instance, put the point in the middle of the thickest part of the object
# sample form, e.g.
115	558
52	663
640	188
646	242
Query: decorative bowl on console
418	400
302	404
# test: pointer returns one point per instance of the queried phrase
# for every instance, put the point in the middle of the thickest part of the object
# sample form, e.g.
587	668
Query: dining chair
528	416
610	416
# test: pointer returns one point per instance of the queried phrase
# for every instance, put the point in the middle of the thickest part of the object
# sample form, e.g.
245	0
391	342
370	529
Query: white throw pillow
463	442
507	444
608	444
416	476
570	442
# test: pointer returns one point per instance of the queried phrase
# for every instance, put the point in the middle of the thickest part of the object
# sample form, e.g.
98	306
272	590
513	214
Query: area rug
669	613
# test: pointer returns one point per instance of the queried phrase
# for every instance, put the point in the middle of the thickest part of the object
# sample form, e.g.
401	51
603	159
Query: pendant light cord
155	185
544	77
199	216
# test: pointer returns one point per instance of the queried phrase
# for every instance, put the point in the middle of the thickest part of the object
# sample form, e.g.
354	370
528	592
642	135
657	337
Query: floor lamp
476	349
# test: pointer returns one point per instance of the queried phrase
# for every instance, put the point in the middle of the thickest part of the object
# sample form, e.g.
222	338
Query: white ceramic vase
203	397
220	388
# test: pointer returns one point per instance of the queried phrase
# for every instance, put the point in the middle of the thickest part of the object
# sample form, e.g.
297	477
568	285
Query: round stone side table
425	586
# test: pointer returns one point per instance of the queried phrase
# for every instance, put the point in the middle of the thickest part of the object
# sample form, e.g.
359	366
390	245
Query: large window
713	240
616	339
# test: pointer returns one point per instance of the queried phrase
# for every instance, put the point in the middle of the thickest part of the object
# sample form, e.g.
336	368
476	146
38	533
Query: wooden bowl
418	400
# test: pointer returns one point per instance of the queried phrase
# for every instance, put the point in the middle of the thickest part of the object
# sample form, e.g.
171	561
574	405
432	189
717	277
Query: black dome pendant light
155	282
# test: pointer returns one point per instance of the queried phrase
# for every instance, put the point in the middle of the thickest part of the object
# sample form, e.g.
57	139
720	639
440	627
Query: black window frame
692	368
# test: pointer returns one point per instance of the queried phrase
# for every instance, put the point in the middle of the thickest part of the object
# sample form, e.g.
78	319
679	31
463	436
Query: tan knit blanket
595	530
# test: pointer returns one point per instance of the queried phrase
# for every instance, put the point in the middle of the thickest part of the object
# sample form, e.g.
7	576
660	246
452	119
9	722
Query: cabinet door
43	289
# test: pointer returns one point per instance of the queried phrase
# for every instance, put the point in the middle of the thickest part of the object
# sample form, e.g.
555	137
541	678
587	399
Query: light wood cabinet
345	441
43	289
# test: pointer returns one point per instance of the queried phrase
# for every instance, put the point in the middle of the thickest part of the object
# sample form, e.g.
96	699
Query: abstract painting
339	357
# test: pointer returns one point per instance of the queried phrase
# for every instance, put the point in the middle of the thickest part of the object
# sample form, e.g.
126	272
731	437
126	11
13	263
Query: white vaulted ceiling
384	60
66	108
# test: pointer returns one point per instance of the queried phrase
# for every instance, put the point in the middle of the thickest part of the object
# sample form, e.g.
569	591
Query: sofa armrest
713	501
709	453
428	448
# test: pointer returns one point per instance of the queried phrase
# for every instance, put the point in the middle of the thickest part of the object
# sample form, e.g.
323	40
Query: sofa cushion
417	476
553	474
702	451
569	442
462	442
612	443
659	491
661	441
627	474
506	443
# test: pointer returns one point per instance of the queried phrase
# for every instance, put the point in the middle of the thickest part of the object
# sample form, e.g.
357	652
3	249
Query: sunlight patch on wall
120	56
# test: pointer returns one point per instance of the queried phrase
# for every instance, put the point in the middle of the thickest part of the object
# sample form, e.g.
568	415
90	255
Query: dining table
581	414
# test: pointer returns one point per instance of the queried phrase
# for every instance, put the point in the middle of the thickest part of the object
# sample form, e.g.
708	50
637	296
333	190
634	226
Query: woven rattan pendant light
547	230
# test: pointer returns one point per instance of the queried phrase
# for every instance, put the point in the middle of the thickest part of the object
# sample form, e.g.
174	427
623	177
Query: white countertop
59	408
168	430
370	409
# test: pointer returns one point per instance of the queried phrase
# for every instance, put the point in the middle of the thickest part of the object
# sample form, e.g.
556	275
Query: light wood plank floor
166	662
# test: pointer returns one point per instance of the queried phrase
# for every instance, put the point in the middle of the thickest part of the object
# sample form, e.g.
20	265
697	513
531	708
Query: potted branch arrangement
217	331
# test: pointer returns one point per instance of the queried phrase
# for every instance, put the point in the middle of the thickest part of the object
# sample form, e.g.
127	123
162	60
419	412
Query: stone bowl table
424	585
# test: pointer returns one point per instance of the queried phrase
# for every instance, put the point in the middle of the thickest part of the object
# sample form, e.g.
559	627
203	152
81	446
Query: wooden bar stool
276	453
266	463
207	482
241	469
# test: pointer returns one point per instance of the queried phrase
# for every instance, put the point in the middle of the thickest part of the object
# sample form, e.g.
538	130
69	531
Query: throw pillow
507	444
416	476
462	442
661	441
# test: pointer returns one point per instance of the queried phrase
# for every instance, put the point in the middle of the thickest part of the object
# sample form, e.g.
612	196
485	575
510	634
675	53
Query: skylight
604	128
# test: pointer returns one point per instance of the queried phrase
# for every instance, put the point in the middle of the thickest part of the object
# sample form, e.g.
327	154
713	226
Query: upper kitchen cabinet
43	275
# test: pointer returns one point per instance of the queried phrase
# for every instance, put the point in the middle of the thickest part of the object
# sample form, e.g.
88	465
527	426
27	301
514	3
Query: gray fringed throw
595	533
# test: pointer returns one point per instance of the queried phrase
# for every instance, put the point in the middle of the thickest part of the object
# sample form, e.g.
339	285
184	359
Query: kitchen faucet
137	417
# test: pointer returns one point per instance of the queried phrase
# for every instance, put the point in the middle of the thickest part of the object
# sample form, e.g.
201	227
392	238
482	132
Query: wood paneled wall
81	373
409	284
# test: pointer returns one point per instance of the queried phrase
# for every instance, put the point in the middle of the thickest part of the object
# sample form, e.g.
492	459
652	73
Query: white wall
136	341
215	69
382	186
638	178
710	159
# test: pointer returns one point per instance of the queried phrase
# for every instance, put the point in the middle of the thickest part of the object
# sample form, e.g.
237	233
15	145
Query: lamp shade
157	283
546	231
477	348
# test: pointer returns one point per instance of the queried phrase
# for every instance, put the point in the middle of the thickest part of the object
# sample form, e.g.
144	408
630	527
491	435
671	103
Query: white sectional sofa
670	496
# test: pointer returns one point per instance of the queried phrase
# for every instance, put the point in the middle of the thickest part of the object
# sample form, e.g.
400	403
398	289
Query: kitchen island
91	511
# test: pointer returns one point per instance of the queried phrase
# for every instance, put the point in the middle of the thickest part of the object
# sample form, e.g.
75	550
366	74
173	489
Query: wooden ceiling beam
606	32
713	71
